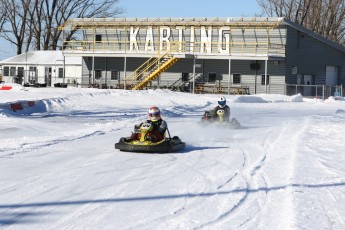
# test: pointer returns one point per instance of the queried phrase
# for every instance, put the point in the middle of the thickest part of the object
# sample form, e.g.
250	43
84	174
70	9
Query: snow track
59	168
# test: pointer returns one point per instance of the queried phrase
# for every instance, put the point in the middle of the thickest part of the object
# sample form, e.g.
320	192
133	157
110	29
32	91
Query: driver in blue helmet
221	106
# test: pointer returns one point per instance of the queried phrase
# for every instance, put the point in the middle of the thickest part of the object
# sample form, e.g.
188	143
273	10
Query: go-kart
219	120
144	141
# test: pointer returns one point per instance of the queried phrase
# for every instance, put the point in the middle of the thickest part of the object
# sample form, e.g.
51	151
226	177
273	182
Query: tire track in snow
240	201
277	170
257	180
35	145
236	173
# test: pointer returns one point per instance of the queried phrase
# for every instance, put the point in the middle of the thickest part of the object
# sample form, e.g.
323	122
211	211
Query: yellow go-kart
220	120
145	143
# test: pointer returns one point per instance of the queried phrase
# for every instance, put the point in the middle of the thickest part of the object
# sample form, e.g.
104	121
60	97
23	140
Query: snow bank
249	99
296	98
266	98
333	99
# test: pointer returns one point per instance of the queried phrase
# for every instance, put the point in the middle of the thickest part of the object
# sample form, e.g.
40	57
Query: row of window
115	74
236	79
212	77
19	72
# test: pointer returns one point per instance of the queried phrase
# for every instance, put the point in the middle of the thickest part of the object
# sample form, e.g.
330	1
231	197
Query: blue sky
190	8
173	8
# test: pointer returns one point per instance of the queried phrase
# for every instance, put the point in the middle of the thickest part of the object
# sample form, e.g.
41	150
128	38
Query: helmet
154	113
222	102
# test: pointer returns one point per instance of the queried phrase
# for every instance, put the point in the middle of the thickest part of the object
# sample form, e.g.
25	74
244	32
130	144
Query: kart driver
221	106
159	126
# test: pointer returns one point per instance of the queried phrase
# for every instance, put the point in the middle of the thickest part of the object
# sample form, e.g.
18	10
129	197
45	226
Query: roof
268	23
111	23
42	57
313	34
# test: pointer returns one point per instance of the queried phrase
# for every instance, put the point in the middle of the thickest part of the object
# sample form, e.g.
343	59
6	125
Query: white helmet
154	113
222	102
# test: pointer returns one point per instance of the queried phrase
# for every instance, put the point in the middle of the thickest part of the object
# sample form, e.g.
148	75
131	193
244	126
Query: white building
43	68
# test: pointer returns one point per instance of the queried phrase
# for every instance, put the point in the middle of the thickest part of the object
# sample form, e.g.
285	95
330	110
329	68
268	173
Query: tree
325	17
3	13
35	22
53	13
15	22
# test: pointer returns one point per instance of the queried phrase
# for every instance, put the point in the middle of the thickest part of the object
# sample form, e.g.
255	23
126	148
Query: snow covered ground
283	169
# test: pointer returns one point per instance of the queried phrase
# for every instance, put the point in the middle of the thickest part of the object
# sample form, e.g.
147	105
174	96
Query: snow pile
333	99
249	99
296	98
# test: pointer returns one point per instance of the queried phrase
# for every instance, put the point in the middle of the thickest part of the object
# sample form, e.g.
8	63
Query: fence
315	91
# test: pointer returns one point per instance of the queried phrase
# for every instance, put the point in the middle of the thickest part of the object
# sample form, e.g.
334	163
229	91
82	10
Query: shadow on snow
164	197
7	219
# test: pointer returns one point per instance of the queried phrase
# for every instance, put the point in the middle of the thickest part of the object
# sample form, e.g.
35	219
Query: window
212	77
60	73
20	71
263	79
185	77
236	78
13	71
6	71
98	38
98	74
115	75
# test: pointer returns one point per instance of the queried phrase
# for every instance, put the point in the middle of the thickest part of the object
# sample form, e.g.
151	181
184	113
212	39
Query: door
20	75
331	75
32	75
48	75
331	80
308	88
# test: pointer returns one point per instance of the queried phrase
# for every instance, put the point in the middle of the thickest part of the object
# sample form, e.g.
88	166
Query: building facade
216	55
42	68
262	55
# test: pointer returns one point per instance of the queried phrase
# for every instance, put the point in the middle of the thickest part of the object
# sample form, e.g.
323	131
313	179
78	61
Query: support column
93	71
229	76
63	68
193	74
125	69
106	75
266	76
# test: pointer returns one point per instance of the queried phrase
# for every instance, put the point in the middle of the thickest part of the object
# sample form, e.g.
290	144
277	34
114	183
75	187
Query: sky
284	168
177	8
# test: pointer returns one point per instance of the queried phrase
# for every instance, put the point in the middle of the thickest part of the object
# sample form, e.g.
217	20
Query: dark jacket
213	113
158	131
156	134
160	125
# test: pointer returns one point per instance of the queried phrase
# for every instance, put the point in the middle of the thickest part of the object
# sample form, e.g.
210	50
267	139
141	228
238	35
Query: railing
315	91
150	69
233	48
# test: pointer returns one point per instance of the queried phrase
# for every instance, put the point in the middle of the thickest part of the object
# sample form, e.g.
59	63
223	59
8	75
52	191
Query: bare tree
35	22
16	22
3	13
325	17
52	13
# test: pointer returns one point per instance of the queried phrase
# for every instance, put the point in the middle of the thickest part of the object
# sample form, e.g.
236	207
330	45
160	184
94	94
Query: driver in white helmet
221	106
159	126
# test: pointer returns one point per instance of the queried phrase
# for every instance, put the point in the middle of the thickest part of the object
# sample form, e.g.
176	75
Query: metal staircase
150	70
